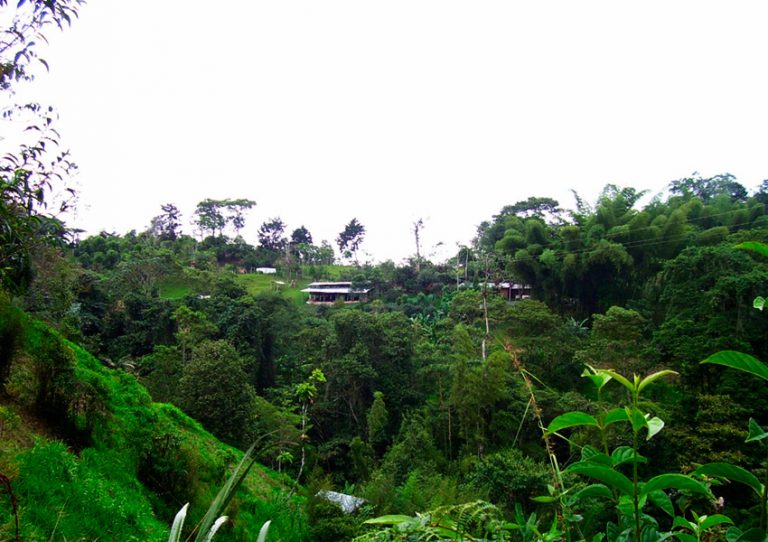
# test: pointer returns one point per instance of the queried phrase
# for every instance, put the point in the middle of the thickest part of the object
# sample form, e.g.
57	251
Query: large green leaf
752	535
662	500
754	246
591	454
755	431
544	499
178	524
621	379
616	415
655	425
448	533
684	523
597	377
732	473
593	490
713	520
393	519
264	531
571	419
226	493
653	377
625	454
676	481
637	419
740	361
215	527
604	474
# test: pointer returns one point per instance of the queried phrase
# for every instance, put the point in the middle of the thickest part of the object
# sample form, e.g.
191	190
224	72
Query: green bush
214	389
508	477
10	333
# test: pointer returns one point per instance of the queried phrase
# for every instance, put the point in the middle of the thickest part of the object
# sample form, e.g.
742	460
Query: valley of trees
434	394
135	368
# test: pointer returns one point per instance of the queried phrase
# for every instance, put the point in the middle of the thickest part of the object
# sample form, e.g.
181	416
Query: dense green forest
136	368
436	393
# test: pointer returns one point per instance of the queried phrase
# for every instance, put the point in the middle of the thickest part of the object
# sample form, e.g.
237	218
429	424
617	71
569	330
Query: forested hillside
590	373
87	455
439	391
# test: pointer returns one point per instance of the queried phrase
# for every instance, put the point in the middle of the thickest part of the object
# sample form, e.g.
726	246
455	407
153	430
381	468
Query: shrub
214	390
507	477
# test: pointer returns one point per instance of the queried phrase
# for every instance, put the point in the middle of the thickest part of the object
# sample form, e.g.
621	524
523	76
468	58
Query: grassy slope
175	288
77	478
181	284
256	283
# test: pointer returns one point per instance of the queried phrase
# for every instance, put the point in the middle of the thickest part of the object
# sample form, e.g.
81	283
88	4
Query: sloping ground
90	456
257	283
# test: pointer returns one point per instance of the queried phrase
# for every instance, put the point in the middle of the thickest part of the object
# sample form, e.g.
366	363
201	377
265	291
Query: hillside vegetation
589	374
447	403
92	457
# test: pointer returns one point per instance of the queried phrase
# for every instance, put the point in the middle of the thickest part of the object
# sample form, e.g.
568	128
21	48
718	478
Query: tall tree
417	227
167	226
707	188
547	209
272	235
36	169
213	215
209	217
236	209
325	255
301	235
214	390
350	238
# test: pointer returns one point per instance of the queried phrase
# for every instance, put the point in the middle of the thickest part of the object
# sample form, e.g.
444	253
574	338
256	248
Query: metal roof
347	290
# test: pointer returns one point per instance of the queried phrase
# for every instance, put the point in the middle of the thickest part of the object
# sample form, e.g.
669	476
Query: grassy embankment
90	456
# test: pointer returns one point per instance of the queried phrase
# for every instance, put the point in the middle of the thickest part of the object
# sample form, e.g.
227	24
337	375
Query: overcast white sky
389	111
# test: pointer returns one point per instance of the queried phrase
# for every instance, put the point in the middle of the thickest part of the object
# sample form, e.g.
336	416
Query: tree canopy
350	238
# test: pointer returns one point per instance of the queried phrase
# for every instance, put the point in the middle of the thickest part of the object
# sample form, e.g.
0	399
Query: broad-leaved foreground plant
210	524
638	503
613	477
733	473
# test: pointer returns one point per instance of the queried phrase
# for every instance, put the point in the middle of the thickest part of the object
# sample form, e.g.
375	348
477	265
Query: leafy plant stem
304	409
635	496
536	410
522	420
635	446
764	499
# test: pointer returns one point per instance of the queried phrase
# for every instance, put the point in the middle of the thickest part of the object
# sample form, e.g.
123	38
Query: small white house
328	293
514	292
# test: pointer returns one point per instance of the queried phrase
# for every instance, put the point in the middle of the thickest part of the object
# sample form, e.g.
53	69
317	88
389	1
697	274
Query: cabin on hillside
328	293
514	292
